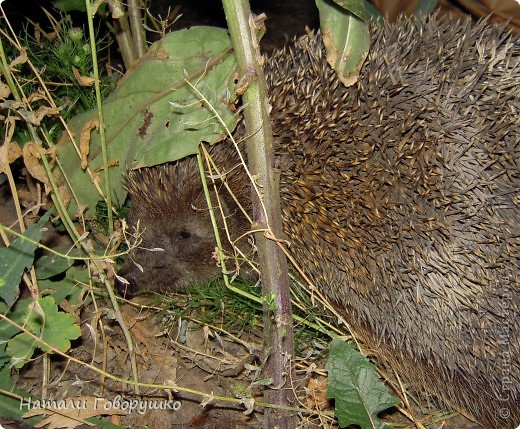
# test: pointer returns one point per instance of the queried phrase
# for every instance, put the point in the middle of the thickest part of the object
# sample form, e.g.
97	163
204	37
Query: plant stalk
136	24
121	29
278	330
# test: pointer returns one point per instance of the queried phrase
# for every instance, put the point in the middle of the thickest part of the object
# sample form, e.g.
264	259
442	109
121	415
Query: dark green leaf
425	7
21	348
12	408
17	314
51	265
70	5
355	7
355	387
346	39
70	288
16	258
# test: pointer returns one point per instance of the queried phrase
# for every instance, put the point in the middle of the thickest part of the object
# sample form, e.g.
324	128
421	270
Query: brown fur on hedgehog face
174	245
171	221
173	253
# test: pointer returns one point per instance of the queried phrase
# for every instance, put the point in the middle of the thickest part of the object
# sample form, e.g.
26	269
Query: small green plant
234	312
214	301
64	61
61	61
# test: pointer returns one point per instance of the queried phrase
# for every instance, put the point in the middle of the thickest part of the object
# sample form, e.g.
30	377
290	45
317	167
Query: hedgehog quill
400	197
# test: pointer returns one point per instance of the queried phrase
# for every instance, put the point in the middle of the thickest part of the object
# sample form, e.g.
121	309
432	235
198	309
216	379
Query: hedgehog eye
184	235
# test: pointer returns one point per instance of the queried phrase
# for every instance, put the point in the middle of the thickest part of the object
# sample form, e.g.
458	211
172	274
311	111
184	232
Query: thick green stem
279	339
136	24
121	30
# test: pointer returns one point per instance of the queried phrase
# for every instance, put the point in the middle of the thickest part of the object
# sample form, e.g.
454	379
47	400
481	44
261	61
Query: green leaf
18	315
21	348
70	5
425	7
48	266
346	39
77	5
12	408
44	320
355	387
154	116
4	357
70	288
355	7
16	258
7	330
59	327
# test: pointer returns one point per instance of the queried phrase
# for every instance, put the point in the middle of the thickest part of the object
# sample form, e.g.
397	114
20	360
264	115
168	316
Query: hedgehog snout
126	283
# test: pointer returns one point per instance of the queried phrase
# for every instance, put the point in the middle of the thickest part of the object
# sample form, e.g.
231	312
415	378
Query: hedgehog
399	198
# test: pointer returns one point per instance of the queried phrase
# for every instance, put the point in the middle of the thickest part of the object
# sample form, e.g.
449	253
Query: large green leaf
346	37
154	116
44	320
16	258
353	383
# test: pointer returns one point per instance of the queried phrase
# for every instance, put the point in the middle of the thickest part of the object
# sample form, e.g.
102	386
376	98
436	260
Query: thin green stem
212	216
97	85
5	70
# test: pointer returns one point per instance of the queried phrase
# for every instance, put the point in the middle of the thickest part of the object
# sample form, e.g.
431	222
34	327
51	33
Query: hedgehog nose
127	290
